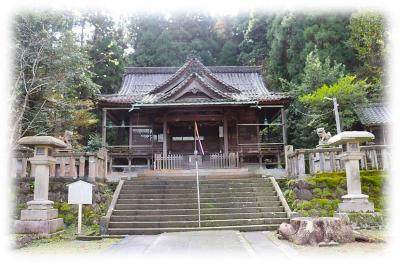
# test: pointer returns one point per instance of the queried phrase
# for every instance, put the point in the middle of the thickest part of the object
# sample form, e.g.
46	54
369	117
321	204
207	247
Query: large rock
313	231
302	190
303	194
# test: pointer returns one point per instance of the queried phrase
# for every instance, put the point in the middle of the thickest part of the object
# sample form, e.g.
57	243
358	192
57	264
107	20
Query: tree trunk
312	231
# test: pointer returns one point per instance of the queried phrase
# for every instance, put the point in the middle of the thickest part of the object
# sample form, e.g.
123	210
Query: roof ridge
171	70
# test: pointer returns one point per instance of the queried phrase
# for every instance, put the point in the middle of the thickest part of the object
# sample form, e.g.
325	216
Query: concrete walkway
217	243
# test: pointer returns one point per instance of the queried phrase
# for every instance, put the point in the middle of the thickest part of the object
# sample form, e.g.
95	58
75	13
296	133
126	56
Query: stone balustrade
69	164
304	162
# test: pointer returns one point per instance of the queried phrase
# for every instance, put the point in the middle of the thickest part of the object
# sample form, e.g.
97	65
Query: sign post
80	192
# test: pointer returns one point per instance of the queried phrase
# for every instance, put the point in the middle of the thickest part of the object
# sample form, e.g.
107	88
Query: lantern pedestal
40	217
354	201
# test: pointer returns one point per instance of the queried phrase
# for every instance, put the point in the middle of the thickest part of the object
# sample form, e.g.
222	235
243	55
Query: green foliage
106	50
300	52
160	41
367	38
367	220
349	93
67	211
94	142
317	207
301	121
53	79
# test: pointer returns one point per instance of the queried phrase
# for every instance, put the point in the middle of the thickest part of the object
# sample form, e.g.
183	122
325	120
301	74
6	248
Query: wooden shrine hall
151	121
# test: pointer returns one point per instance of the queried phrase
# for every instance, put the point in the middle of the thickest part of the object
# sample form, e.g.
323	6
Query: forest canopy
63	60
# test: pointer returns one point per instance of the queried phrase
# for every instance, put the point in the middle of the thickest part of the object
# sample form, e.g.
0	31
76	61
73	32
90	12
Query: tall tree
367	37
52	76
161	41
106	50
301	122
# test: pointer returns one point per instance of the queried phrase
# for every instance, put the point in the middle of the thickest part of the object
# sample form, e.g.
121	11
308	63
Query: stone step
126	195
193	217
193	181
194	186
194	211
153	231
146	206
130	189
194	200
208	223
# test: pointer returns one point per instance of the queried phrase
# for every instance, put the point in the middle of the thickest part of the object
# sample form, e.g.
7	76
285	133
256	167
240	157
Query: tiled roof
374	114
150	84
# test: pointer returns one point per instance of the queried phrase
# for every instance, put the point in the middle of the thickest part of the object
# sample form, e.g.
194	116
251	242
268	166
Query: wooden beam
104	128
186	118
226	145
165	144
284	132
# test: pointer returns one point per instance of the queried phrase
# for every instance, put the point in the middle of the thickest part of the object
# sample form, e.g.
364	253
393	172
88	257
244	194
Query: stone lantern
40	217
354	201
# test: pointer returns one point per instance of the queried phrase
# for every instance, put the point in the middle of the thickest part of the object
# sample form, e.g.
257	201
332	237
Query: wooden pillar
284	132
259	145
81	166
226	145
104	128
165	137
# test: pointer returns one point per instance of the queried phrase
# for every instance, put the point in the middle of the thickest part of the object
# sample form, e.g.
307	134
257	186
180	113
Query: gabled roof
374	114
161	85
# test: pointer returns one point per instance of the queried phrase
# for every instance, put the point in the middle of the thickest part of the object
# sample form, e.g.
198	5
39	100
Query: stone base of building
356	203
39	221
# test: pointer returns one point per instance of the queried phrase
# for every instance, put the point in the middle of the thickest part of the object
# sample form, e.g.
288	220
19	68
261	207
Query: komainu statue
323	136
67	138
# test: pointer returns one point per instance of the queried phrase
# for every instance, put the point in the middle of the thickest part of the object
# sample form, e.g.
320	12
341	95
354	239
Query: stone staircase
156	205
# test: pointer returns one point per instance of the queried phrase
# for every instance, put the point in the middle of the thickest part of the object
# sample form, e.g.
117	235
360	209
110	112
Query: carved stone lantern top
351	136
42	141
44	146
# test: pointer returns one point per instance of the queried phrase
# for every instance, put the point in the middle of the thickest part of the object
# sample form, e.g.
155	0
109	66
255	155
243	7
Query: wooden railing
304	162
223	160
92	165
172	161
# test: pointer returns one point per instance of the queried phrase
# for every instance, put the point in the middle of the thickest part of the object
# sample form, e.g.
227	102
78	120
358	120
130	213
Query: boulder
303	194
314	230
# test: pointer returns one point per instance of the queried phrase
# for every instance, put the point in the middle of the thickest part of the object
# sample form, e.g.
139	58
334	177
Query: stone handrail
281	197
89	165
304	162
104	220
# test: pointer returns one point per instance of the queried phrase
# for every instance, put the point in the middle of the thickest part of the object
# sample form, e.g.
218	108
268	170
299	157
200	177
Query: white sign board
80	192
